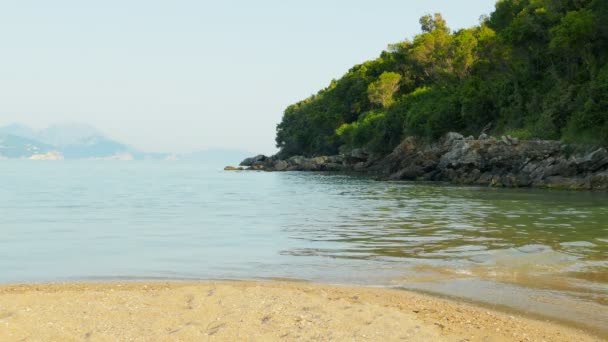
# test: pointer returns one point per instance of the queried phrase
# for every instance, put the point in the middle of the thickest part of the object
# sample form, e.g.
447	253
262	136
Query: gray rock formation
253	160
504	162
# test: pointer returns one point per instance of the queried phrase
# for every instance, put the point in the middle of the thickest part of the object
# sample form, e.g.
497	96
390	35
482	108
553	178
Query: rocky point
488	161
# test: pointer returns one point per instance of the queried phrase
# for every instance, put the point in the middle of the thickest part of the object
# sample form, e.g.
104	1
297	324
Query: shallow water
540	251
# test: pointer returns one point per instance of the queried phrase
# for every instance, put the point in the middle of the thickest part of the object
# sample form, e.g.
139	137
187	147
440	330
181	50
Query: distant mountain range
70	141
80	141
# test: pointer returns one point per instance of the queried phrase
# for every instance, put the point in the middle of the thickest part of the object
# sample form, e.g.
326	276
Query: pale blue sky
183	75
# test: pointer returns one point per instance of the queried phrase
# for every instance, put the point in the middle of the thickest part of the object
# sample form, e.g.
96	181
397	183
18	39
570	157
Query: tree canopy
382	91
531	69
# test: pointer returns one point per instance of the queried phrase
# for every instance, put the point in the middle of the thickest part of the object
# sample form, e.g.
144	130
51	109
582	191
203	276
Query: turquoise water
541	251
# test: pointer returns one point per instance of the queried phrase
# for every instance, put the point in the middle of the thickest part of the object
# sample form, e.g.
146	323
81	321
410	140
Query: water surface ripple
536	250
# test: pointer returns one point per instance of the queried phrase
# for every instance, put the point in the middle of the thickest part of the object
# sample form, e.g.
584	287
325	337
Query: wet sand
236	311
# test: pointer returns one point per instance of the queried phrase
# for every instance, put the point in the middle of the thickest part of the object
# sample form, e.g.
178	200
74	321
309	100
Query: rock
560	167
300	163
259	158
411	172
268	162
507	162
319	161
253	160
344	150
333	167
460	154
595	160
339	159
295	160
281	165
247	162
516	180
233	168
600	181
359	167
307	164
485	179
451	137
359	153
540	149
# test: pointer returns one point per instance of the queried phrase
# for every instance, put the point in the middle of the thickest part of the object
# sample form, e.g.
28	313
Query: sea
541	252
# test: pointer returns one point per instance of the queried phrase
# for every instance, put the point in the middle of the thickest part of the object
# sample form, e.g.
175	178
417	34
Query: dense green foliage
532	69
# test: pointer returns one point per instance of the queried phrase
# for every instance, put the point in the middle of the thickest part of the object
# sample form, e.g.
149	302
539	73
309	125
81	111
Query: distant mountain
69	141
79	141
94	147
12	146
19	131
67	134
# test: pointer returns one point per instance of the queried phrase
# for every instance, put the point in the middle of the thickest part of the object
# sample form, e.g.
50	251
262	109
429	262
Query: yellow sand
246	311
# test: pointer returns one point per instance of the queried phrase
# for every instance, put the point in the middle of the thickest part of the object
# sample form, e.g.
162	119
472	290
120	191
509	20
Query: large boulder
253	160
599	181
462	153
594	161
281	165
452	137
300	163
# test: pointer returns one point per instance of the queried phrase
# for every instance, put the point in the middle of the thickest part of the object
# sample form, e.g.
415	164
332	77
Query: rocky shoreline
486	161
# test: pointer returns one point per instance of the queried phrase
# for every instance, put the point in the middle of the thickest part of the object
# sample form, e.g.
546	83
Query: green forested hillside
531	69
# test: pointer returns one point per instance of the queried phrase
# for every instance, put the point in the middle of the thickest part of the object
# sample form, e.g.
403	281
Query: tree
533	68
382	91
575	30
430	51
463	48
430	23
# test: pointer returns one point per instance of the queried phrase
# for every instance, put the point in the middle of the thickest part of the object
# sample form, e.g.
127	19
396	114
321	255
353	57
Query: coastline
256	310
485	161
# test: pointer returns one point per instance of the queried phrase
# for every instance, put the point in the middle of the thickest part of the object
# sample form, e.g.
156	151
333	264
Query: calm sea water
540	251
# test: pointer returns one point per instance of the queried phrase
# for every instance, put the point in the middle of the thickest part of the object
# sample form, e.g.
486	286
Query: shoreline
273	310
485	161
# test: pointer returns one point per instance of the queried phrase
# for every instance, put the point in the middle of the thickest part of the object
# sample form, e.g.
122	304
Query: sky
187	75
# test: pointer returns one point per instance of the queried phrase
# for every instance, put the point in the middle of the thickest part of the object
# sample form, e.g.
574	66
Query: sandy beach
239	311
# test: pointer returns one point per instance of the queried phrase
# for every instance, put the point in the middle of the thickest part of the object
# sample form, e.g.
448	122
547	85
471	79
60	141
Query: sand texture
248	311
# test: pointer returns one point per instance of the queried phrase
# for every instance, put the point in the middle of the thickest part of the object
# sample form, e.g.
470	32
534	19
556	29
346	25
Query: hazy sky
182	75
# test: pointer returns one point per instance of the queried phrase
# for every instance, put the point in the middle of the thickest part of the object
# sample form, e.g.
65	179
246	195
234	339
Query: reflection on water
531	249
